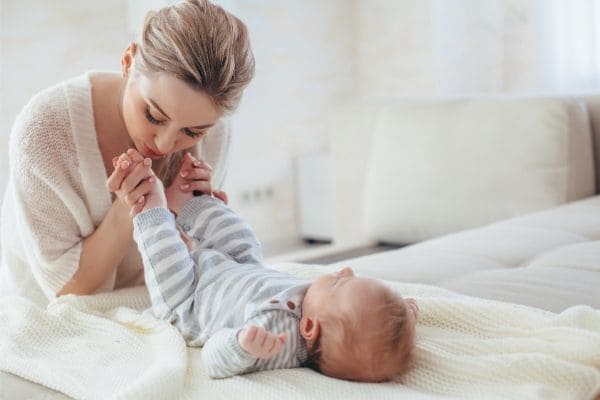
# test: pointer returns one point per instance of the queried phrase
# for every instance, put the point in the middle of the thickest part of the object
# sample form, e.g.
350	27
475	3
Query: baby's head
357	328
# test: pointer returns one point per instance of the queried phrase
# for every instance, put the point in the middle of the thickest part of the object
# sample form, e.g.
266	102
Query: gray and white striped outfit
218	287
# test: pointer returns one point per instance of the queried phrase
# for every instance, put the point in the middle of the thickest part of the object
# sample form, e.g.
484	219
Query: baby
217	292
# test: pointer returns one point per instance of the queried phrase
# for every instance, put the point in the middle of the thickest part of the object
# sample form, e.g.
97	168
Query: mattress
548	260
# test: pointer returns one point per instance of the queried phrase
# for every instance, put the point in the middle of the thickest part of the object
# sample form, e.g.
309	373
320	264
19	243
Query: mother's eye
192	134
151	119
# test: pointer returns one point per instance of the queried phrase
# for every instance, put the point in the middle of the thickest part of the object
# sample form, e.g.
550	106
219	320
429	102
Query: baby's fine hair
380	349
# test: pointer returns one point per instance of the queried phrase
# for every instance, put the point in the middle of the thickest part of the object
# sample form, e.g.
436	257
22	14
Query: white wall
310	55
441	47
305	59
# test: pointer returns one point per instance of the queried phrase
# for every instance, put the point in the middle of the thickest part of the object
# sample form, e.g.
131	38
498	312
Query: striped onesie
218	286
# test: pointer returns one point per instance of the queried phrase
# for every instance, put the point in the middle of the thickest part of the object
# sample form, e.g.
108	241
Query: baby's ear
309	328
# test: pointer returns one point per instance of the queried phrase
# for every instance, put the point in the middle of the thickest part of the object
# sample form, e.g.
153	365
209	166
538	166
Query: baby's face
342	290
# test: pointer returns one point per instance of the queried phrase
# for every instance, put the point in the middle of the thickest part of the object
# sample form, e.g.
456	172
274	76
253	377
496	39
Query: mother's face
163	114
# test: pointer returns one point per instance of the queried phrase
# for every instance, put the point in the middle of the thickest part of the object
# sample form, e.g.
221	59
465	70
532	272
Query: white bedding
89	348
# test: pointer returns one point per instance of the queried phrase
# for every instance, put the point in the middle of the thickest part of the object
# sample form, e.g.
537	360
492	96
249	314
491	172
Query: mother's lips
151	152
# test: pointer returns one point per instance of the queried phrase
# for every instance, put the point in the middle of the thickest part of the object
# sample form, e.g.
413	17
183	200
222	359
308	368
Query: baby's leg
216	226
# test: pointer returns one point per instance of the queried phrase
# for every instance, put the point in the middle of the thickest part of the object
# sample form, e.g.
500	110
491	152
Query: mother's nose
165	142
346	271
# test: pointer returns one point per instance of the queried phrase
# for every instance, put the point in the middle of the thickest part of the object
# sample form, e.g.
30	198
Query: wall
311	55
440	47
304	53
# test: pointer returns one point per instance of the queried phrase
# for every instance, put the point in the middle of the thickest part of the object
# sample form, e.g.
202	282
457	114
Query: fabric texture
220	287
469	348
56	194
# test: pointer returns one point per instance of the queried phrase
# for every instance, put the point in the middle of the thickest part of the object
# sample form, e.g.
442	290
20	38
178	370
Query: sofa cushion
443	166
549	259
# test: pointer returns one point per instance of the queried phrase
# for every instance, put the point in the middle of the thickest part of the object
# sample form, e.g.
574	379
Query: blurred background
311	56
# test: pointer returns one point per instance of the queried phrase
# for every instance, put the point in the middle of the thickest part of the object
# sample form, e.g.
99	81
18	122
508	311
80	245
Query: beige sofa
497	196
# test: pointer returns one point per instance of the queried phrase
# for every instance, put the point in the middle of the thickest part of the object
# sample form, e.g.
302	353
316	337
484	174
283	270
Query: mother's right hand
117	181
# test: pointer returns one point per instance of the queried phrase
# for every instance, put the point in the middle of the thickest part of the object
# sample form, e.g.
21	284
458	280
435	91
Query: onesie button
186	227
291	305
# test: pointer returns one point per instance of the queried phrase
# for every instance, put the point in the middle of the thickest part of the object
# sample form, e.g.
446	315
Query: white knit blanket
95	348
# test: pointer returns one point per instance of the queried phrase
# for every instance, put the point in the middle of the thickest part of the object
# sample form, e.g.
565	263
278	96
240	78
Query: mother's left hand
196	176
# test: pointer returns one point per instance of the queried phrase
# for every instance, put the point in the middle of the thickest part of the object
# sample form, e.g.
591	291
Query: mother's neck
110	129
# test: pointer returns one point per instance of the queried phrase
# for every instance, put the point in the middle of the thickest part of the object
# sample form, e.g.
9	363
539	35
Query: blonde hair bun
201	44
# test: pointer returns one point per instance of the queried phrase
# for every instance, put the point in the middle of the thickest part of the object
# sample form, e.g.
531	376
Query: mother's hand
130	169
193	178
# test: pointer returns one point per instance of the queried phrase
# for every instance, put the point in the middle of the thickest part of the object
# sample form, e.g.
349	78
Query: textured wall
441	47
44	43
393	48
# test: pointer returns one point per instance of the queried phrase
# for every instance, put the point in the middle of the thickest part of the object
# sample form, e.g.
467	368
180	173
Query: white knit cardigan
56	194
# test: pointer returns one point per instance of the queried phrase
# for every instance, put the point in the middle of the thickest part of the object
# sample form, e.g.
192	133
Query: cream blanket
94	348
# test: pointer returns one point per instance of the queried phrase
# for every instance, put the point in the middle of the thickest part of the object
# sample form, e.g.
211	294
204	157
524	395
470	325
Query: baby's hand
260	343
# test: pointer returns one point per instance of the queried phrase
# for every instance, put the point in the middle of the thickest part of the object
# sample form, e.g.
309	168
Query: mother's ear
310	328
127	59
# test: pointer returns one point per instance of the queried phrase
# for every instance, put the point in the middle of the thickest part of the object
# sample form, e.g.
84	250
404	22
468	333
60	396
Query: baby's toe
135	155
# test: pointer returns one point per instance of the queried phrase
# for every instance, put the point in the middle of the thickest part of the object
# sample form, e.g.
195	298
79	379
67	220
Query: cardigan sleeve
46	192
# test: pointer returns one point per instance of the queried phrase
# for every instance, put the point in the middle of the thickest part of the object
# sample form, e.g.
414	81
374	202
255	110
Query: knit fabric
220	287
56	193
467	348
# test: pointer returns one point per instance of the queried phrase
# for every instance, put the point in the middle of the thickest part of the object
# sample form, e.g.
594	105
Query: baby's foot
180	190
141	187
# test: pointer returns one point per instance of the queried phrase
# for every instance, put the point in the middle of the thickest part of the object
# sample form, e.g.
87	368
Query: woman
62	231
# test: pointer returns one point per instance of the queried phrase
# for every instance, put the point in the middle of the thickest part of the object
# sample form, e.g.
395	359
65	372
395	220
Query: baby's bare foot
178	193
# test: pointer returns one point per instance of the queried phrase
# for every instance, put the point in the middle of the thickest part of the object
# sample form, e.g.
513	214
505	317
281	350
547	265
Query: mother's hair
203	45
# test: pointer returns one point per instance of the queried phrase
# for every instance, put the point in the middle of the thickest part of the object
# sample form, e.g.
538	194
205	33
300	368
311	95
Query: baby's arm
267	342
223	356
259	342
